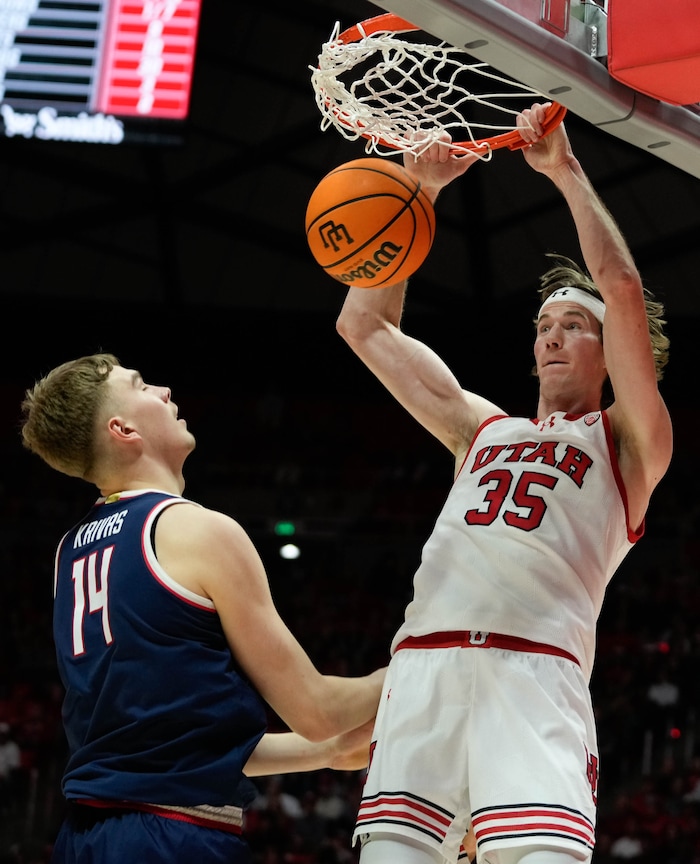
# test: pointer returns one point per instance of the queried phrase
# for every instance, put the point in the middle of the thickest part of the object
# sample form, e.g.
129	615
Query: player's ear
120	430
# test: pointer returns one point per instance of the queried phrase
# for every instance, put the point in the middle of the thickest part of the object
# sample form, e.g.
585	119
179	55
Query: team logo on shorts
372	748
592	774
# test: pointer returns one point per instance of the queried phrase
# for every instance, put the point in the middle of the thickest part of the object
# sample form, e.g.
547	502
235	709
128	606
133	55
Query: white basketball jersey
531	533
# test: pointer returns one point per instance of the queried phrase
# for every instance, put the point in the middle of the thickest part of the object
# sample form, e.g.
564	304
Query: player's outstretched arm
287	752
212	555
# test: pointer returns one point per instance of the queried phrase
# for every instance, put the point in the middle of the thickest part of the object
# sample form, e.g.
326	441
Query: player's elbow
357	326
318	725
622	282
349	326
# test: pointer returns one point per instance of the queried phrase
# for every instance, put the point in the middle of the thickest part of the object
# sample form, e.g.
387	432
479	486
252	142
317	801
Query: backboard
558	47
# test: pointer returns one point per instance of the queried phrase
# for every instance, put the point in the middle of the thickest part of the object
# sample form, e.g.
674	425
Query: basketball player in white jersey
486	723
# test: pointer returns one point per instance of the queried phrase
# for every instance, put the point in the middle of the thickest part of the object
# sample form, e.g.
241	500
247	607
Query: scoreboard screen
97	71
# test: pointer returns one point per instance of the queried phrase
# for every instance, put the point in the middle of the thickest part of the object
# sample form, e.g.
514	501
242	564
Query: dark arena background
186	257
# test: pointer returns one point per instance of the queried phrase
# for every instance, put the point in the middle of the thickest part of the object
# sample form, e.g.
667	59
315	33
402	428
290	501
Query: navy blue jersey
155	709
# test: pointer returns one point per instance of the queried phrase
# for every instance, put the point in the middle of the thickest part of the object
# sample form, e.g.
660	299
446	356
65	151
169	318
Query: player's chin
554	375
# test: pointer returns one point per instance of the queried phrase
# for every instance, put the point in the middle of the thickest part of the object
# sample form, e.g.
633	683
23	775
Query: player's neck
143	477
570	405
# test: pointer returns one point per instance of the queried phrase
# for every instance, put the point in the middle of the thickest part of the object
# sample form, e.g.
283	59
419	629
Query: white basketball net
410	93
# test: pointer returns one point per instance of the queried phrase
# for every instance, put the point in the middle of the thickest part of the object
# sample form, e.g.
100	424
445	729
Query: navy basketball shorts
115	836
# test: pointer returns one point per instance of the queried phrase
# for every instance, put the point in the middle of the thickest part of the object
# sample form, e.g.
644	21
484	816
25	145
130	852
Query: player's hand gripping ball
369	223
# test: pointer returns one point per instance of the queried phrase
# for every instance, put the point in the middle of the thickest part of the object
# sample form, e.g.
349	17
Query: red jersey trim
632	535
481	427
157	571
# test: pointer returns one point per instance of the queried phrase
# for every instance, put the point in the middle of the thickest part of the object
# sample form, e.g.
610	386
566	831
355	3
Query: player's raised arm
639	416
370	322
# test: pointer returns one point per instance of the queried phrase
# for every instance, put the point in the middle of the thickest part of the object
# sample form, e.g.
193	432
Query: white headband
580	297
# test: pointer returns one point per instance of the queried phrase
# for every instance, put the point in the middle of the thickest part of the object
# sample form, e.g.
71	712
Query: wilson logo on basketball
373	266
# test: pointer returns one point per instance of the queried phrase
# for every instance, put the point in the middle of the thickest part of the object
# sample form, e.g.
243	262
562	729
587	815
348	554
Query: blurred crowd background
360	485
191	264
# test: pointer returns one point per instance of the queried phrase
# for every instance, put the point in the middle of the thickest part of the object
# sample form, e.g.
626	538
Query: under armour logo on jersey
546	424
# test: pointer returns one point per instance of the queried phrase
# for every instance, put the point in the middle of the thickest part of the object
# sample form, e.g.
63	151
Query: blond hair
568	273
59	413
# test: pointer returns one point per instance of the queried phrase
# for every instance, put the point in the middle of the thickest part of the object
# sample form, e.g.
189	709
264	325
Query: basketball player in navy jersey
168	640
490	726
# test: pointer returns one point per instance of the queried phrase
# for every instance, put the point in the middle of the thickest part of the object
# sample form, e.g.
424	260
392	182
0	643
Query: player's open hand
437	166
543	153
350	751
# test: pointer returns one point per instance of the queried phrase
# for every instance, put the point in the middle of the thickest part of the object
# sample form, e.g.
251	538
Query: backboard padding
518	46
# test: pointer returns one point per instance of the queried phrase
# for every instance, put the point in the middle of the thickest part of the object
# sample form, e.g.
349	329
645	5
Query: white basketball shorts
503	739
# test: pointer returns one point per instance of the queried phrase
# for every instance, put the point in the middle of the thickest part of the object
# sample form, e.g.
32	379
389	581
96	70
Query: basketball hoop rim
391	23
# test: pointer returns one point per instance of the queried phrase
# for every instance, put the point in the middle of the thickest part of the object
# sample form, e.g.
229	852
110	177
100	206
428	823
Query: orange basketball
369	223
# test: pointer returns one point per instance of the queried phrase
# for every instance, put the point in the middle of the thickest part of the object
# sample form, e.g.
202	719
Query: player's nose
555	336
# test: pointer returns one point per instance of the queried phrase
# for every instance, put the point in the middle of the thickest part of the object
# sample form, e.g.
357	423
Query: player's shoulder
191	524
204	549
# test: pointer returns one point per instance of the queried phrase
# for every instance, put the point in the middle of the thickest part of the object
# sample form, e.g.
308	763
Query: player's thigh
417	785
537	734
87	838
533	779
